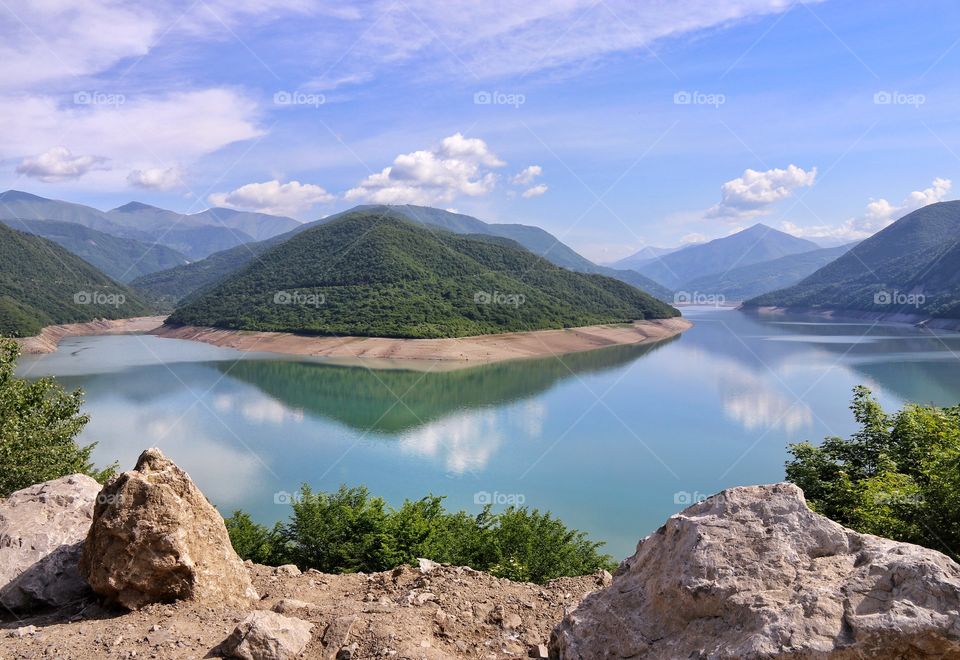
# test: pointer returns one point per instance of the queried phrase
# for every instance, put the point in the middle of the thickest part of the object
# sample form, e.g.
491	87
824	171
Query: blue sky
613	125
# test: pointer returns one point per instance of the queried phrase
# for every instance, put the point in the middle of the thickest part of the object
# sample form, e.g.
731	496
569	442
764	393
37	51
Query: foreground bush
38	424
349	531
898	476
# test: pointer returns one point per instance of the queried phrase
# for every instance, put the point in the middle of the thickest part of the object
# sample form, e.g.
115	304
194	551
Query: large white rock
266	635
42	529
753	573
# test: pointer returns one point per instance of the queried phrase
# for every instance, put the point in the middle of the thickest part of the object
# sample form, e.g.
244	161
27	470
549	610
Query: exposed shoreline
917	320
384	352
49	338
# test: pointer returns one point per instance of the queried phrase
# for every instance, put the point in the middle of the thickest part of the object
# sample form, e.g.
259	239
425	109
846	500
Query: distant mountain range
646	255
195	236
177	283
372	272
911	267
43	284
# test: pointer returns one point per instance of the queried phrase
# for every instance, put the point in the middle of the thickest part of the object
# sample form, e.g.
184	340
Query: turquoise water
612	441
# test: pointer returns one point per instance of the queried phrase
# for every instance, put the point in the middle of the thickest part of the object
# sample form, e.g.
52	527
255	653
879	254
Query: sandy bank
917	320
461	351
49	337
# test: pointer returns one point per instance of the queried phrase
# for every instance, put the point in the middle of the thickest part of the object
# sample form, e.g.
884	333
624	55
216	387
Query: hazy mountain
195	235
753	245
43	284
745	282
645	255
181	282
375	273
912	266
123	259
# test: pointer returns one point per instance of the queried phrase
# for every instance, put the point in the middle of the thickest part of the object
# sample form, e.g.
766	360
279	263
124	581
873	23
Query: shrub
38	424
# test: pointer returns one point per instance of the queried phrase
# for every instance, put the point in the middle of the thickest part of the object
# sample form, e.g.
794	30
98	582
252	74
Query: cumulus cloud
878	214
753	193
273	197
58	164
156	178
526	176
535	191
458	166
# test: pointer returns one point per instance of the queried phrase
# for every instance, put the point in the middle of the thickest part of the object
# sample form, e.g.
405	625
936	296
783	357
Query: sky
614	125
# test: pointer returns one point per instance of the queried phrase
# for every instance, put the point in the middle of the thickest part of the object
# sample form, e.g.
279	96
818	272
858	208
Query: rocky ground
442	612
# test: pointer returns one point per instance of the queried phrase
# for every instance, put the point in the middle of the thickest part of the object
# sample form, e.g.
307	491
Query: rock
538	651
427	565
287	569
337	632
42	529
753	573
293	606
155	538
23	631
266	635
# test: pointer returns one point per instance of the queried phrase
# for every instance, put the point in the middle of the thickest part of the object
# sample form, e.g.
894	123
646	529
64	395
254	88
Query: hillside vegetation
372	274
43	284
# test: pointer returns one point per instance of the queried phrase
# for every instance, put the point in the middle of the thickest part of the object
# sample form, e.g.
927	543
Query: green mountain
377	274
182	282
751	246
745	282
43	284
911	267
123	259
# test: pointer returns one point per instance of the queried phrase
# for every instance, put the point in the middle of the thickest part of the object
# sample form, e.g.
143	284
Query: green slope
748	281
912	267
123	259
377	274
182	282
43	284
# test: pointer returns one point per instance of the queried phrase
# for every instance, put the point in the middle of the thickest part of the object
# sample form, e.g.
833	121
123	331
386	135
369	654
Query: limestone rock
753	573
42	529
155	538
267	635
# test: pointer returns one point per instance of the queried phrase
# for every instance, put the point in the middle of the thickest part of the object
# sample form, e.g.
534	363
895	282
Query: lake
612	441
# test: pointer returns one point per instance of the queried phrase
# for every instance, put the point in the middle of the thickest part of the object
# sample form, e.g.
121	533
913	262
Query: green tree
898	476
38	424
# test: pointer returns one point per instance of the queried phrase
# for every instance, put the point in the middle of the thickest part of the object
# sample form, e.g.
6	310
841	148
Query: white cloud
535	191
273	197
458	166
156	178
526	176
753	193
58	164
878	214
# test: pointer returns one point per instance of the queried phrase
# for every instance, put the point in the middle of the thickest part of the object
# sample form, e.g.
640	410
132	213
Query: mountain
746	282
645	255
43	284
195	235
180	282
378	274
912	266
750	246
123	259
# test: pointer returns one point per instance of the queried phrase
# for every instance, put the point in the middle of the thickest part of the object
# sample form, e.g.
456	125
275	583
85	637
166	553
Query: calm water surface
612	441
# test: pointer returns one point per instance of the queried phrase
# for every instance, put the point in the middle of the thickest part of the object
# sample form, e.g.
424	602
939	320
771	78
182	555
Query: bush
38	424
349	531
898	476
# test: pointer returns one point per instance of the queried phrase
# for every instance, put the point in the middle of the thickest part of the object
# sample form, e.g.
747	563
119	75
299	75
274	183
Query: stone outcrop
267	636
42	529
155	538
753	573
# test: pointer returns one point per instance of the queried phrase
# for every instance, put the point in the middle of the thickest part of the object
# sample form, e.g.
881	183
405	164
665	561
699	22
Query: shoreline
921	321
386	352
50	336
